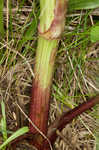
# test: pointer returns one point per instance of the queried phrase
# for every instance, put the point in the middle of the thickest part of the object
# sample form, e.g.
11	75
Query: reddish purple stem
67	117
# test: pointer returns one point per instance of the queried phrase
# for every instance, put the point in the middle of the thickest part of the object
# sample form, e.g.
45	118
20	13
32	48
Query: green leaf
15	135
82	4
1	18
94	34
10	19
29	32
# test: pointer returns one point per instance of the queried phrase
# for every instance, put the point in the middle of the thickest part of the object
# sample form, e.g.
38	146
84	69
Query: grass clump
3	126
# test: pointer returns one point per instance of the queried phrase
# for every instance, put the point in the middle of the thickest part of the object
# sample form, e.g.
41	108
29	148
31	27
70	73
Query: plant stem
41	84
67	117
52	20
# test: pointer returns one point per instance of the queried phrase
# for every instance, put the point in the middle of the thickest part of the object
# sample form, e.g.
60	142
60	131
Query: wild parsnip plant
76	67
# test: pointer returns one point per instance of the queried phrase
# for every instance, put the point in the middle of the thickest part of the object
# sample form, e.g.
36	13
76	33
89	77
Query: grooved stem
52	20
39	106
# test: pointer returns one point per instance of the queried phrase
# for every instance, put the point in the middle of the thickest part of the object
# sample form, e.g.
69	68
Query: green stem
41	85
51	25
44	61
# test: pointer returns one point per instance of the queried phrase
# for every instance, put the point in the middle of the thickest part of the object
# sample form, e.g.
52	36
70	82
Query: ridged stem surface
52	20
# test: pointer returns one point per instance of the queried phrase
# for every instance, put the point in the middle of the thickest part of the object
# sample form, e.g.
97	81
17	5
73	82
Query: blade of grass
3	121
14	136
82	4
1	18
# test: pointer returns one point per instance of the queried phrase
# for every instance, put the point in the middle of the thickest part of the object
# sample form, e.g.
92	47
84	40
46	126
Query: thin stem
67	117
